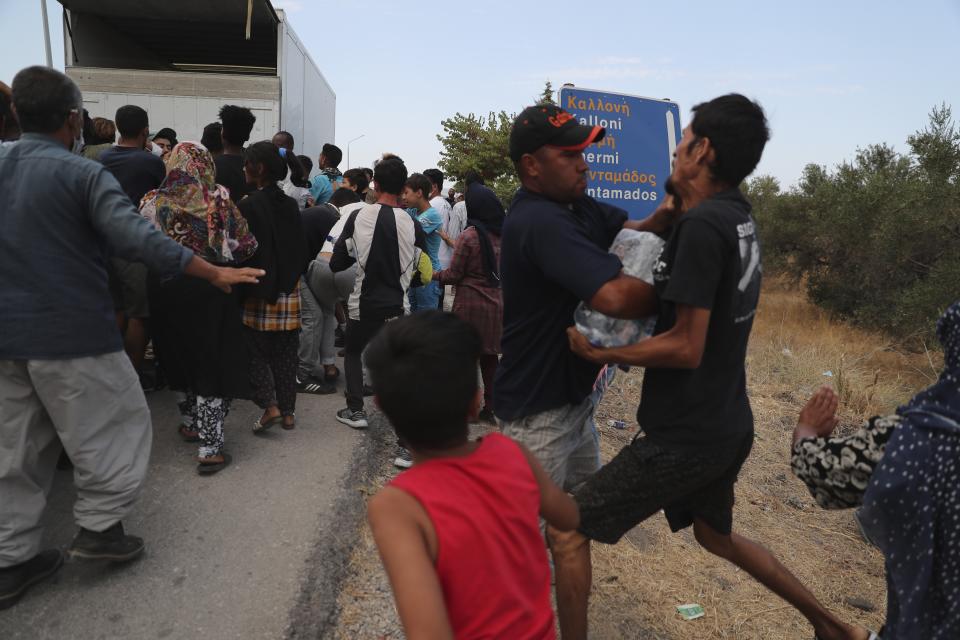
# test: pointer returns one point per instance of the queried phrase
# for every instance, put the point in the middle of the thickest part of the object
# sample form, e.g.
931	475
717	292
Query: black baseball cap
548	124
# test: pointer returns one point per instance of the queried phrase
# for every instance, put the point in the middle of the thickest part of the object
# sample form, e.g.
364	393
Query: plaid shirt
282	316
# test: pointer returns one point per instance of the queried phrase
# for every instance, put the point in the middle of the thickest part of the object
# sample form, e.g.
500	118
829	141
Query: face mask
78	144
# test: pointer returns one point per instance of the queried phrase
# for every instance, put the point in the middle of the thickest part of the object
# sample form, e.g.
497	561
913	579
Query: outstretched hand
226	277
818	418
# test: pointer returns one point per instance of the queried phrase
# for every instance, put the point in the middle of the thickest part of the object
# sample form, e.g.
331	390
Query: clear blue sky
833	76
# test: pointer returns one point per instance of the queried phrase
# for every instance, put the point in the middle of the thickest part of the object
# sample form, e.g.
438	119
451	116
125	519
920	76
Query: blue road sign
630	166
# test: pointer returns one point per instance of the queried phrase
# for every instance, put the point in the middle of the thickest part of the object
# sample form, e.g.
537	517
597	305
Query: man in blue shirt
63	375
555	254
416	195
328	180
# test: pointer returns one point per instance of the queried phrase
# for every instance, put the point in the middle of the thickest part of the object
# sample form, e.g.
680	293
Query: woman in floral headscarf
905	471
197	328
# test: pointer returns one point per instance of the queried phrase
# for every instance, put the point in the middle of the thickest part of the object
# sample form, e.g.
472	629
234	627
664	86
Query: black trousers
359	334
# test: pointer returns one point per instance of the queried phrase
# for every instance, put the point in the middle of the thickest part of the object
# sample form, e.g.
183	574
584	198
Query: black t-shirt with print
712	261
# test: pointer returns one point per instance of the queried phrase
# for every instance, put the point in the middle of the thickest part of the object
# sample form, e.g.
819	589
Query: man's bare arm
625	297
681	347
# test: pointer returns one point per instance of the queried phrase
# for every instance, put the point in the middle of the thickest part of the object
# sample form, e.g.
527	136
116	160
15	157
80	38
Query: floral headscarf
195	211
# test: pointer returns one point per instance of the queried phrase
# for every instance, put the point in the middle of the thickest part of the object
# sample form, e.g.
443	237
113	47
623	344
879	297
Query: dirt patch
639	582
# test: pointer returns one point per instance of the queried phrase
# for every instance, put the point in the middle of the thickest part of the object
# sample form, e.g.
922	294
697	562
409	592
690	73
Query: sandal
187	434
289	426
260	427
209	468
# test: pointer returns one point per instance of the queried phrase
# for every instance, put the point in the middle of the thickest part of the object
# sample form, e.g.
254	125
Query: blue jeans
425	297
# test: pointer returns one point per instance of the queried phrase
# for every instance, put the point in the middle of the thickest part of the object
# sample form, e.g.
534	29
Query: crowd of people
246	275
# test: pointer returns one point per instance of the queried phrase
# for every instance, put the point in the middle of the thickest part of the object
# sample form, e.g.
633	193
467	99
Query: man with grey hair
63	374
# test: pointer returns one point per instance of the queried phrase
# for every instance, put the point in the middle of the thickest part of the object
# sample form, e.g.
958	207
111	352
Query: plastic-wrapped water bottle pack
638	251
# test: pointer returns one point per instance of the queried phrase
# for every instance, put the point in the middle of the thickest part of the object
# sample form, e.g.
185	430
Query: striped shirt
383	242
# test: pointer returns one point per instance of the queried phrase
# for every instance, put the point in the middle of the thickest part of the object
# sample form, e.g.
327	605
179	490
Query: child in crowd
459	533
416	196
271	311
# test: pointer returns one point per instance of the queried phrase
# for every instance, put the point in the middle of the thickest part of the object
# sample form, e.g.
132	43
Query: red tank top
491	557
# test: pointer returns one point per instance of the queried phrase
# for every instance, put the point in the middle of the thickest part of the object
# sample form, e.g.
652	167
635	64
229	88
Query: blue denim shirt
61	215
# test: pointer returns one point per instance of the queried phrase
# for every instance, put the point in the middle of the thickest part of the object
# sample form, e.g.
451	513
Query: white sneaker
403	459
355	419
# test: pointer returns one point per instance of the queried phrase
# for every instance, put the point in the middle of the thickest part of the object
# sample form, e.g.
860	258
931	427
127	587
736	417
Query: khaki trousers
96	408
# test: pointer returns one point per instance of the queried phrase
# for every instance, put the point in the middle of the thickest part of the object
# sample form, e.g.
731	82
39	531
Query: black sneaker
355	419
112	545
403	459
15	580
315	387
486	416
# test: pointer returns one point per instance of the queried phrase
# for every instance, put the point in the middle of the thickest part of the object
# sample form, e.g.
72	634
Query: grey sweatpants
319	321
96	408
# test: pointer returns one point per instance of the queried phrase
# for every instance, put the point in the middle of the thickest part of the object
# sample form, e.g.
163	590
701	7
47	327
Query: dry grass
639	582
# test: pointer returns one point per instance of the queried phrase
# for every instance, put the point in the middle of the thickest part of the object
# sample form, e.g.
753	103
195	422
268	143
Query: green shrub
876	240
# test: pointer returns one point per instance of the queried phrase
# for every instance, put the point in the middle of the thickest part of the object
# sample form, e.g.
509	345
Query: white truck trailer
182	60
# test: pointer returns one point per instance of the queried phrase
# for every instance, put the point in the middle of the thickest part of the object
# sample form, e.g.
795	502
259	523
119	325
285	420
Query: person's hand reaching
580	345
818	418
226	277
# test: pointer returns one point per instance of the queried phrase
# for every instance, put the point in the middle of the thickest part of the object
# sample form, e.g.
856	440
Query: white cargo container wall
308	104
296	98
185	102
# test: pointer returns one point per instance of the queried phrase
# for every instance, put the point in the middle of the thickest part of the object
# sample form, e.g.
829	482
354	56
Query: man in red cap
555	254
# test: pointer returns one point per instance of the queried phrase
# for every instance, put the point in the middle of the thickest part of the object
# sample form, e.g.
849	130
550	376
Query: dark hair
343	196
212	137
168	134
287	137
358	178
89	133
419	182
427	350
10	128
390	176
131	121
267	154
332	153
237	123
104	131
436	177
307	165
44	98
737	129
367	171
472	177
386	156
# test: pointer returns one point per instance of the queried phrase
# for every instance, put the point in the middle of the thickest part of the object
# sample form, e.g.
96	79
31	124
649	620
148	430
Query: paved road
251	552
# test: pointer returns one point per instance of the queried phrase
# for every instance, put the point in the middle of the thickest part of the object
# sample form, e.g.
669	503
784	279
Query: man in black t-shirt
694	410
138	171
237	124
555	254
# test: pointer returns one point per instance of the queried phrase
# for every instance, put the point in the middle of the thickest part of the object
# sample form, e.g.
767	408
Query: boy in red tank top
459	533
